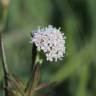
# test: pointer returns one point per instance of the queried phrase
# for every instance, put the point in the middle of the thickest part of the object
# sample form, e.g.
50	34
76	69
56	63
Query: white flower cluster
51	41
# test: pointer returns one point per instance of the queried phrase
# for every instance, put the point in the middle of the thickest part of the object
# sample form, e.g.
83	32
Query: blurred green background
76	73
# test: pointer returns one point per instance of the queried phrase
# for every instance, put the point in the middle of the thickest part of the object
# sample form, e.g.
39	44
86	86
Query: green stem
5	69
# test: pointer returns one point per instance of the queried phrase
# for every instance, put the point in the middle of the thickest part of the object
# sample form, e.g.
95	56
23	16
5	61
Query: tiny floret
51	41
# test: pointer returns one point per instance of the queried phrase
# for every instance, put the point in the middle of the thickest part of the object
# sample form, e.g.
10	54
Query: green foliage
77	18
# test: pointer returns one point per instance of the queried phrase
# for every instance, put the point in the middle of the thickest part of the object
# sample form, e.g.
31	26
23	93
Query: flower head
51	41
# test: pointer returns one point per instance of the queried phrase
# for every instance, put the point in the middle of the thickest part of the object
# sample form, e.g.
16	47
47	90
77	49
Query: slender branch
34	53
5	69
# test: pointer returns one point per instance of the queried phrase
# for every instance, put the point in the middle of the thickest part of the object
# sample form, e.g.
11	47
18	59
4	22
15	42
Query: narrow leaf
16	85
